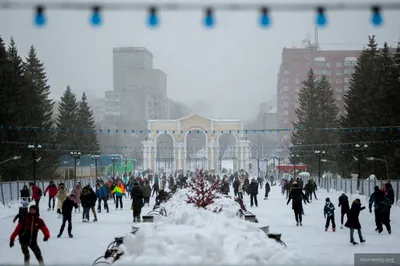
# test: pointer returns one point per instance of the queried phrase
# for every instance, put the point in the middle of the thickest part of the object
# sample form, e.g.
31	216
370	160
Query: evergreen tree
85	123
67	121
41	108
360	103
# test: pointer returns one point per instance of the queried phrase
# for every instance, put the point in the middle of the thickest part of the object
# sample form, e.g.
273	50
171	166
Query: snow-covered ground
191	236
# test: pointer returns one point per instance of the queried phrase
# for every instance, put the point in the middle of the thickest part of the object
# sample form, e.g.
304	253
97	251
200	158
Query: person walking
118	191
52	190
146	189
77	191
36	195
353	222
267	190
253	191
67	206
382	206
137	201
61	195
27	231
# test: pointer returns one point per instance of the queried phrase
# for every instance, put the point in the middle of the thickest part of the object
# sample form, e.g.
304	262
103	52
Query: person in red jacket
27	231
36	195
52	189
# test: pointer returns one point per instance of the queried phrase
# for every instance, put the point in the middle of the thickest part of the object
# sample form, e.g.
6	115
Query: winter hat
327	200
376	188
33	207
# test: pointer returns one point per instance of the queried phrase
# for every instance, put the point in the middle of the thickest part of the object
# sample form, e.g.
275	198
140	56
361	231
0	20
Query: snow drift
190	235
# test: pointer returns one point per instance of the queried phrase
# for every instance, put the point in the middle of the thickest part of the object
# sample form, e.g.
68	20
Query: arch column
147	144
210	161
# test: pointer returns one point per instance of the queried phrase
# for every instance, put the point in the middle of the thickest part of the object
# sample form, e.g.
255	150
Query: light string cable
301	148
35	129
153	9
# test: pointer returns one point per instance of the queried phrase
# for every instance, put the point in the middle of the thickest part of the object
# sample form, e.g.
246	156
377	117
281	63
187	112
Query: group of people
381	200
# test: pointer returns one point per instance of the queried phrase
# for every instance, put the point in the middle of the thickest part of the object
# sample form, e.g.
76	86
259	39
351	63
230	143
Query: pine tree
67	121
202	193
41	107
86	125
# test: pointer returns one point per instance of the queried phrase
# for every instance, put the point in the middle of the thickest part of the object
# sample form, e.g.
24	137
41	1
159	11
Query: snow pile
191	235
9	210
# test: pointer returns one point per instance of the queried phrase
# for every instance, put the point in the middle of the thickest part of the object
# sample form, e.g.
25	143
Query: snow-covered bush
201	192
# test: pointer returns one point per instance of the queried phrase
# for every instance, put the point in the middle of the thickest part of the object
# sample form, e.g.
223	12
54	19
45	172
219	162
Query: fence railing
350	185
10	191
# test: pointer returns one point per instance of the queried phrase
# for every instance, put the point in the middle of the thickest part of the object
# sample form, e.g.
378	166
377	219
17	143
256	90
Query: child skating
329	214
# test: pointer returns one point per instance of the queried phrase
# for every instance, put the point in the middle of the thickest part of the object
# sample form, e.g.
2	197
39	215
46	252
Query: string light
40	18
153	18
376	18
95	18
321	19
209	18
265	20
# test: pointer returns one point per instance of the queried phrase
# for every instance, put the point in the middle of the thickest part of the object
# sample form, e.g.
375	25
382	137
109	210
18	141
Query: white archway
194	130
157	151
220	150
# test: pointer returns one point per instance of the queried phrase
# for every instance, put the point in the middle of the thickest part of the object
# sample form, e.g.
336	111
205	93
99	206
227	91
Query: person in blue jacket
102	195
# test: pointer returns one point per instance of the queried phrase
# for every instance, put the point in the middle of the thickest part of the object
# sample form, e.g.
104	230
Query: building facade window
285	80
339	64
339	81
339	73
297	80
286	72
346	88
350	63
346	80
285	88
338	97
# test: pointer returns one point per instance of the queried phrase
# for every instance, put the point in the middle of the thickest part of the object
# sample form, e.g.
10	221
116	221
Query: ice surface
192	236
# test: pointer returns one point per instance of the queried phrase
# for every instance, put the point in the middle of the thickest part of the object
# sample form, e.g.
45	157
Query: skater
61	195
86	202
297	196
267	190
67	206
329	214
137	201
25	194
36	195
253	191
23	210
77	191
52	189
382	210
236	185
241	189
102	195
27	231
345	207
118	191
93	199
310	189
353	222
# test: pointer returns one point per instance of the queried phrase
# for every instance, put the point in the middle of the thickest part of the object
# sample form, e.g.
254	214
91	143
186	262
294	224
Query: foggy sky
234	66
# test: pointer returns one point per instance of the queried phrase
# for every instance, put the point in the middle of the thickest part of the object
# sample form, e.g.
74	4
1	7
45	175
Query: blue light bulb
209	19
153	20
40	20
96	20
321	19
377	19
265	21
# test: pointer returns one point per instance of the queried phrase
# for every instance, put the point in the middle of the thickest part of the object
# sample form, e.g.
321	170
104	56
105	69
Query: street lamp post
126	160
76	155
34	148
294	156
381	160
320	155
359	150
114	159
95	158
279	167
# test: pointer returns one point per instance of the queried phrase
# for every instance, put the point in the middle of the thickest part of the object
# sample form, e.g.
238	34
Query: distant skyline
233	67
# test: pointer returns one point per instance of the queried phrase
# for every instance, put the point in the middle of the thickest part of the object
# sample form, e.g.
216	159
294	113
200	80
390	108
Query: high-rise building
336	65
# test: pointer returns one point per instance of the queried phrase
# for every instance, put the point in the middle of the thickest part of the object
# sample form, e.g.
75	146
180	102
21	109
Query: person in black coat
253	191
24	193
329	214
68	205
267	190
137	201
352	221
382	207
297	196
236	185
345	207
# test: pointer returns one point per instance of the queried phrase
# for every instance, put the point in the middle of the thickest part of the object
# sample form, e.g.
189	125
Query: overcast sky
234	66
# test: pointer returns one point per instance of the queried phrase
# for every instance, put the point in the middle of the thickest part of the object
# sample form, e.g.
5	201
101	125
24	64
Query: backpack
40	192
